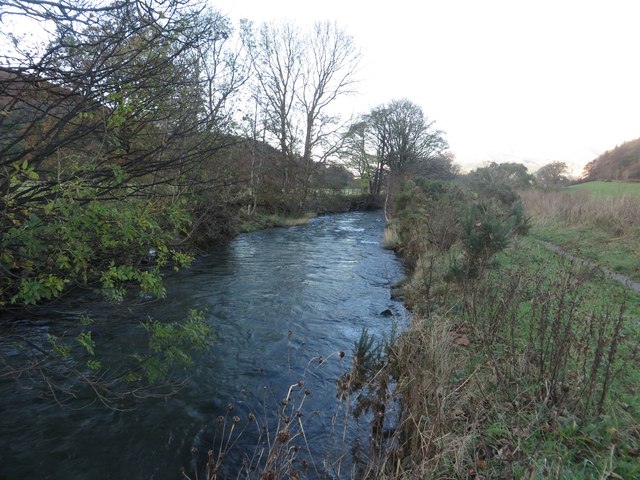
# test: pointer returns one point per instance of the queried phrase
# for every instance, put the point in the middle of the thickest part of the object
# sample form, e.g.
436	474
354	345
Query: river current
283	303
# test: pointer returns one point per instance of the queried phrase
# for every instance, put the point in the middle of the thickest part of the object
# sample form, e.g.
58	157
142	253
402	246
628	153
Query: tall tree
276	51
553	173
356	151
328	72
393	141
300	75
412	138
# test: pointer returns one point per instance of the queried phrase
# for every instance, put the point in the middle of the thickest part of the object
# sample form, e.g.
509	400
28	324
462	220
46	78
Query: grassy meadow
597	221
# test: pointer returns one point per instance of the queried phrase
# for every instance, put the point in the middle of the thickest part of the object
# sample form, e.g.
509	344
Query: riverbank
518	365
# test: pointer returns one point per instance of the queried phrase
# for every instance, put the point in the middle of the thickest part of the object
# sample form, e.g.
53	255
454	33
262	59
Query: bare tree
300	76
276	52
145	83
329	72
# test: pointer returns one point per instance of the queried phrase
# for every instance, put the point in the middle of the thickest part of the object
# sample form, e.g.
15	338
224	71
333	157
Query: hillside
622	163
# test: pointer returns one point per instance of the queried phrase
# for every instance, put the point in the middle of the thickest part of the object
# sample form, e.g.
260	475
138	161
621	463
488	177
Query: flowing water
278	300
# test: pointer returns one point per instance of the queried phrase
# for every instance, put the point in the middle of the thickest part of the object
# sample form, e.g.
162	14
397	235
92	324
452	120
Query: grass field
610	189
597	221
545	321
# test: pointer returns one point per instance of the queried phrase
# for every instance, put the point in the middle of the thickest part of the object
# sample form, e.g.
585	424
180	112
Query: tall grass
619	216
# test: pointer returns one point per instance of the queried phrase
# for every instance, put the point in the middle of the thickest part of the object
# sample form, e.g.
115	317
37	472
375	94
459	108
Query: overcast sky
529	81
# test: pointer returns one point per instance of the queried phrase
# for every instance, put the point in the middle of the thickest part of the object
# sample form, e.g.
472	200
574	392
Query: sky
527	81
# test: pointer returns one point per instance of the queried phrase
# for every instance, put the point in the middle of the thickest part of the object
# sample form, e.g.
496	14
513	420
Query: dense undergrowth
518	363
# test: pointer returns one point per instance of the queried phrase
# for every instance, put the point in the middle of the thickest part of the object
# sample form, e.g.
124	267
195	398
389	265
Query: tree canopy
554	173
396	139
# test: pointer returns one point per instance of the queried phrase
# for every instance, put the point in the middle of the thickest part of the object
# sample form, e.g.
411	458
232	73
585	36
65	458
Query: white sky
508	80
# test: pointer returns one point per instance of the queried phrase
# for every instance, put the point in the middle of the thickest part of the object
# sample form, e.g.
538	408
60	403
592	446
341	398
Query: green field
603	226
601	188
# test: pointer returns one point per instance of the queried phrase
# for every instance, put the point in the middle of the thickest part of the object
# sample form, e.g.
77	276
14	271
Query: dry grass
616	215
282	221
438	405
390	238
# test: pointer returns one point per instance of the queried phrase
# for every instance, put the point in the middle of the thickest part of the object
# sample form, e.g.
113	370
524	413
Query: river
279	300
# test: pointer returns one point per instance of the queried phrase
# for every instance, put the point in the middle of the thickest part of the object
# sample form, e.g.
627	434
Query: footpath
618	277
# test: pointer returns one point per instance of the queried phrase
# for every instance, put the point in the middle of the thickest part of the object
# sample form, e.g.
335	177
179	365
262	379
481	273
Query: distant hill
622	163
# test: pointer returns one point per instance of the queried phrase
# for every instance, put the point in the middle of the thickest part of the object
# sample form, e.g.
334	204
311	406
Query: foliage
483	235
553	173
103	133
501	181
74	238
171	345
428	214
436	215
77	239
622	163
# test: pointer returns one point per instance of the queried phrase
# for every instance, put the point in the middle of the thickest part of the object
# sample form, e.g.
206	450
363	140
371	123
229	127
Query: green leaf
84	339
94	365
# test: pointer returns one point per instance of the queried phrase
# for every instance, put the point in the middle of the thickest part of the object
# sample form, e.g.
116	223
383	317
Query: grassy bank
528	373
591	221
518	363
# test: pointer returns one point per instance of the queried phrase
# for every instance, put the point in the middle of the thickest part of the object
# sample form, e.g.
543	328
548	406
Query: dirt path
618	277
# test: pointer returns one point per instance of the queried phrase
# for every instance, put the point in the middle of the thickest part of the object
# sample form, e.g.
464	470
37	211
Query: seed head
268	475
283	436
